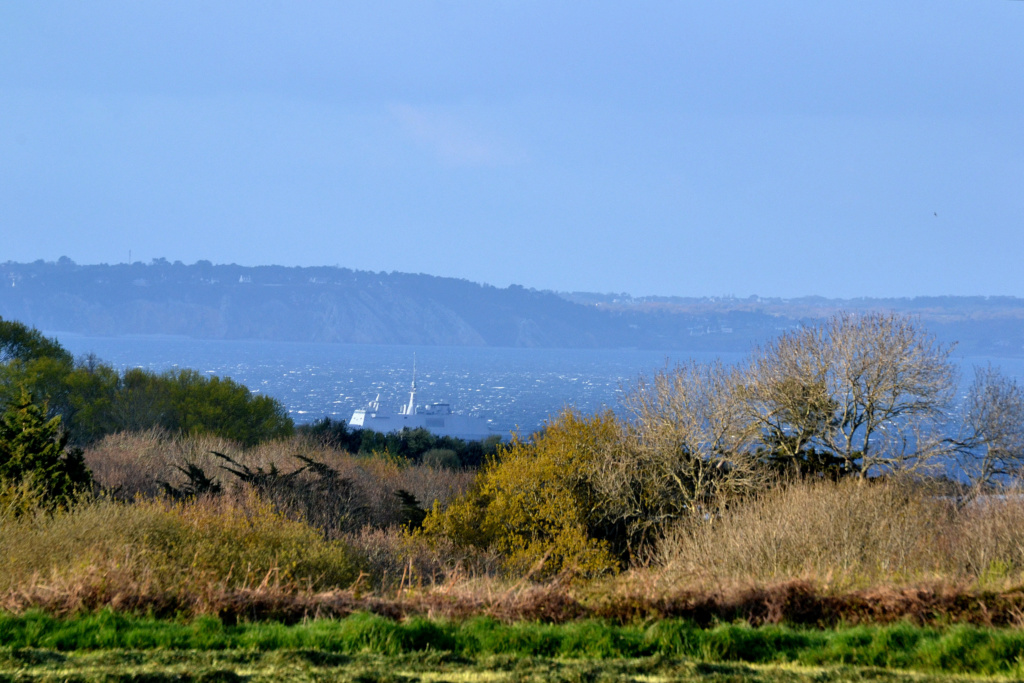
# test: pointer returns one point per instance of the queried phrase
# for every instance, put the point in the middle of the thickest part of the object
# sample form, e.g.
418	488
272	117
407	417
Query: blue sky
784	148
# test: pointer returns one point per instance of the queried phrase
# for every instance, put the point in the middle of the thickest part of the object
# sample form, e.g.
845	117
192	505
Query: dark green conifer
34	451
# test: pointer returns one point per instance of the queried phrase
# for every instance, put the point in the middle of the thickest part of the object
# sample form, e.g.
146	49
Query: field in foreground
311	665
110	646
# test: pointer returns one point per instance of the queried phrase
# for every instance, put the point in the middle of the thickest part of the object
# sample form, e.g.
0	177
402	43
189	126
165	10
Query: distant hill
338	305
980	325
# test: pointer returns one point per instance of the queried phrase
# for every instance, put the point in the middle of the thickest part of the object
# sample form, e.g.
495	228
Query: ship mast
411	408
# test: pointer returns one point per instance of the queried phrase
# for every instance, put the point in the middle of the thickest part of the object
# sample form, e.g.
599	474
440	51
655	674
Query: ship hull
458	426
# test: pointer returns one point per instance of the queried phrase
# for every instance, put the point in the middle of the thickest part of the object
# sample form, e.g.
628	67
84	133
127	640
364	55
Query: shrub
536	503
337	492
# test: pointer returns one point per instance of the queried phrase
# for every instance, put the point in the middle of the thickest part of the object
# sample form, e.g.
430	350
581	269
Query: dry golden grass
114	550
852	535
395	559
985	542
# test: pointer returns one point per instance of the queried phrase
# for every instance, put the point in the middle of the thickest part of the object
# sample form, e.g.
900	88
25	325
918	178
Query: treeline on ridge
93	399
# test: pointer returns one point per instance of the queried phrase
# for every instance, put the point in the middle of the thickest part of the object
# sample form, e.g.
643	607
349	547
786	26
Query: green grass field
316	665
110	646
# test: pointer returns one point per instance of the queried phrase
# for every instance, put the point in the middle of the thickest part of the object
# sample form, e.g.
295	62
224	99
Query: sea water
515	389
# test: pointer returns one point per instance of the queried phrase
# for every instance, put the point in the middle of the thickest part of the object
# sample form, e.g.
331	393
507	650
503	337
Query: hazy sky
782	148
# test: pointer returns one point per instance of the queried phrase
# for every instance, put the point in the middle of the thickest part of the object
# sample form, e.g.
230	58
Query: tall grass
163	552
395	559
853	534
847	533
986	541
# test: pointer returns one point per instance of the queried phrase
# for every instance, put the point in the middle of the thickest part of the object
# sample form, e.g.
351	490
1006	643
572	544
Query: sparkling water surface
515	389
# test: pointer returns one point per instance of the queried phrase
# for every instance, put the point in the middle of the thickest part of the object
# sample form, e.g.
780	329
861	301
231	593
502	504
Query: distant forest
339	305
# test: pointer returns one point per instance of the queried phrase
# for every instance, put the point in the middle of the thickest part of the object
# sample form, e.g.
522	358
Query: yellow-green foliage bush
536	503
178	547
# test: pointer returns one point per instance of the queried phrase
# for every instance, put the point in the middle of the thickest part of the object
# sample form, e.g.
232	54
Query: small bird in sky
935	213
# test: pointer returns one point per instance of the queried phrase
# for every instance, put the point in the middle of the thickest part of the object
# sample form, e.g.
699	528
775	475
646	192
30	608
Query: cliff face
332	305
337	305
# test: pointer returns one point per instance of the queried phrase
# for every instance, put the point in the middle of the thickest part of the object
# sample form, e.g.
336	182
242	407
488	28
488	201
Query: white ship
436	418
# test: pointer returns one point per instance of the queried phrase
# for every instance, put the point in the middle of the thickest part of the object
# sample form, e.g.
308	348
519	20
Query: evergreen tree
34	452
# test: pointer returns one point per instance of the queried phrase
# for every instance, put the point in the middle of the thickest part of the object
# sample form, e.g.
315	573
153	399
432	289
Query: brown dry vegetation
812	552
854	534
851	533
129	465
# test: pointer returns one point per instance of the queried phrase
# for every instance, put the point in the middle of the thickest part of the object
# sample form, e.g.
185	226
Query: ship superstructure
436	418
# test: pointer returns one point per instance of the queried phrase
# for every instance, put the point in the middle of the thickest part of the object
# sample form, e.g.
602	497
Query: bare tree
992	446
684	450
788	398
863	390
